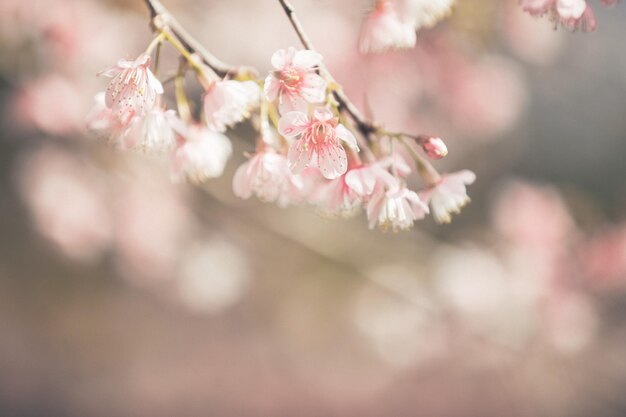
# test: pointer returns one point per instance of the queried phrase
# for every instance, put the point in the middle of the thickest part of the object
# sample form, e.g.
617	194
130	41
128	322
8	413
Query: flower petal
292	124
332	160
299	156
283	57
313	88
322	114
271	87
242	181
307	59
288	103
346	136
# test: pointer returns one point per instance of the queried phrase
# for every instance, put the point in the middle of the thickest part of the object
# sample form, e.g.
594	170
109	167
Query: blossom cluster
572	14
307	150
392	24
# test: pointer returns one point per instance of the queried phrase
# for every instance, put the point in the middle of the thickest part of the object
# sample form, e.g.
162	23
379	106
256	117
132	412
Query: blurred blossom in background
123	293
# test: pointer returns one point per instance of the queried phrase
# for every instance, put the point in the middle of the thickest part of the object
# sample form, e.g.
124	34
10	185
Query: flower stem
162	17
424	168
181	95
155	42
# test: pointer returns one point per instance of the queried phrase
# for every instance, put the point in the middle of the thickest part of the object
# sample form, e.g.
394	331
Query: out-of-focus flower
570	322
213	276
38	104
150	133
401	321
99	119
530	38
541	218
397	208
318	137
449	195
487	97
202	154
67	202
383	30
605	257
133	89
229	102
152	224
267	175
573	14
424	13
294	80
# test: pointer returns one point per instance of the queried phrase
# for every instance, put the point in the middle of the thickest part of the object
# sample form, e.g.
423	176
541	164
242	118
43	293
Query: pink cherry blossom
397	208
150	133
133	89
362	180
449	195
383	30
99	118
229	102
267	175
336	197
201	155
424	13
317	139
573	14
434	147
294	80
344	195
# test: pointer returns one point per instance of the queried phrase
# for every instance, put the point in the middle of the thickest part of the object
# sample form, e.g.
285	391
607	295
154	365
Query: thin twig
365	127
189	42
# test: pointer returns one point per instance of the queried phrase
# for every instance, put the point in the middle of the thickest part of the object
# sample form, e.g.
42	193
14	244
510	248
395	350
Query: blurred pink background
123	294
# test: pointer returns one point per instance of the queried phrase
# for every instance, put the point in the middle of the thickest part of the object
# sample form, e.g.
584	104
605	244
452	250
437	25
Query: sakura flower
424	13
448	195
317	138
202	155
100	118
150	133
397	208
383	30
571	9
362	180
336	198
266	174
434	147
133	89
294	80
573	14
229	102
344	195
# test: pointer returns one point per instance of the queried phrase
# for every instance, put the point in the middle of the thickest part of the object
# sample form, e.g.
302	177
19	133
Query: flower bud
434	147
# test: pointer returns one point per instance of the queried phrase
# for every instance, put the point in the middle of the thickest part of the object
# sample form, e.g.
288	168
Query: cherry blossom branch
365	127
161	16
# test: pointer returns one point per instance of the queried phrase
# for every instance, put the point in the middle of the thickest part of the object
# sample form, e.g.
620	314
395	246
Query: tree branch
189	42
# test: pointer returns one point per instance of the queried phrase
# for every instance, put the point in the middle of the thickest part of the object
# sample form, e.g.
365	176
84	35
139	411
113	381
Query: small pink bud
434	147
